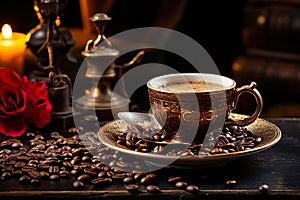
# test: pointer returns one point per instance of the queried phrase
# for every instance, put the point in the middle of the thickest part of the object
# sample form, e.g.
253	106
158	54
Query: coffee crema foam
191	87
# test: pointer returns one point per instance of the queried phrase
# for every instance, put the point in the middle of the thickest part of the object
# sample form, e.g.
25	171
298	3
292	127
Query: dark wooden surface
278	167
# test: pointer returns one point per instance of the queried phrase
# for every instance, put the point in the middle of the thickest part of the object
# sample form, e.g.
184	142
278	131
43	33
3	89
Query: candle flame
6	31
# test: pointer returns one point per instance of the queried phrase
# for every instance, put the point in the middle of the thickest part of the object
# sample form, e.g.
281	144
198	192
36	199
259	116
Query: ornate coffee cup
190	105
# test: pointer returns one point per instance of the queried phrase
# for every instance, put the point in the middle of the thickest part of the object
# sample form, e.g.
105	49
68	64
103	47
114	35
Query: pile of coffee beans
84	161
230	139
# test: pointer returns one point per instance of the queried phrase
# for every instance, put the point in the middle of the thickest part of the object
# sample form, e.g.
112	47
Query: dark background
216	25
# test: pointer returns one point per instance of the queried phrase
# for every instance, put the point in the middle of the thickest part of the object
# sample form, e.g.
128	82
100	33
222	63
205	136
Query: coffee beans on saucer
231	139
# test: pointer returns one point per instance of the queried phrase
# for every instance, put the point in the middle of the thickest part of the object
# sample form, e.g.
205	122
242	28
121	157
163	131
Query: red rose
22	103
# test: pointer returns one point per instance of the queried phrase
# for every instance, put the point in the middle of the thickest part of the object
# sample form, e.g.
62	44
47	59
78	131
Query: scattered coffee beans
55	157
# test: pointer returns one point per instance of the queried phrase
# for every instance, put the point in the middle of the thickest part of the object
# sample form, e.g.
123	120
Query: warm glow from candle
6	32
12	49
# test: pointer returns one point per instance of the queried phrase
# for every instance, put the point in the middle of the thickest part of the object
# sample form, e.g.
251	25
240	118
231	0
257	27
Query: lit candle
12	49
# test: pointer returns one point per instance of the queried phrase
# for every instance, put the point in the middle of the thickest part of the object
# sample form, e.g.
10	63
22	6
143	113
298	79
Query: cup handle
259	104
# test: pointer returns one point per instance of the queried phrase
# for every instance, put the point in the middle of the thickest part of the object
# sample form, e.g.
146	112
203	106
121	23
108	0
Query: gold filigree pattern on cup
190	113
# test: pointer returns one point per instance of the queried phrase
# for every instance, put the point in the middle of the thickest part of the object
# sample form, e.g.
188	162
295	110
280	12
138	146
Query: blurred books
271	55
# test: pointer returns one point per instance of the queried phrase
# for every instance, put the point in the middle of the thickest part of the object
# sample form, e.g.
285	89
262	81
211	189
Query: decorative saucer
267	131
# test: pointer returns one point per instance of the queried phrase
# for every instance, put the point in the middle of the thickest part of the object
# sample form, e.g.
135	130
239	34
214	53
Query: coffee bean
78	151
231	138
34	174
30	134
33	161
153	189
54	177
83	178
44	174
122	142
90	171
105	168
5	151
188	152
102	174
6	174
192	189
110	174
24	179
222	140
53	169
230	183
78	185
17	144
128	180
257	140
19	164
39	137
86	159
139	176
216	150
68	165
67	154
148	179
63	173
76	160
74	172
35	181
27	168
118	176
73	130
101	181
18	173
132	188
157	137
11	162
264	188
55	134
240	147
181	185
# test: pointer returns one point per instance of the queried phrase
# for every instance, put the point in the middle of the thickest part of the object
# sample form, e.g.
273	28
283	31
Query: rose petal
44	115
13	127
22	102
38	106
12	101
8	75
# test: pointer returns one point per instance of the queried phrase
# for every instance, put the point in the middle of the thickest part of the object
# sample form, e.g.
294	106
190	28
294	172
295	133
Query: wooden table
278	167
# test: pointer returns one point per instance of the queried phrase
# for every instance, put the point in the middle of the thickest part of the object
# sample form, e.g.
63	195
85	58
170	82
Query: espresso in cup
191	105
192	87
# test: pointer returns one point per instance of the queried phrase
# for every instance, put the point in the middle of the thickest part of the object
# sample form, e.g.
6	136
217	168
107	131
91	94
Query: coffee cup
190	105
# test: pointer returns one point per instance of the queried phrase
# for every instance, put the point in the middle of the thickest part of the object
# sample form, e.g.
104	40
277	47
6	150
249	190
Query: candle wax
12	52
